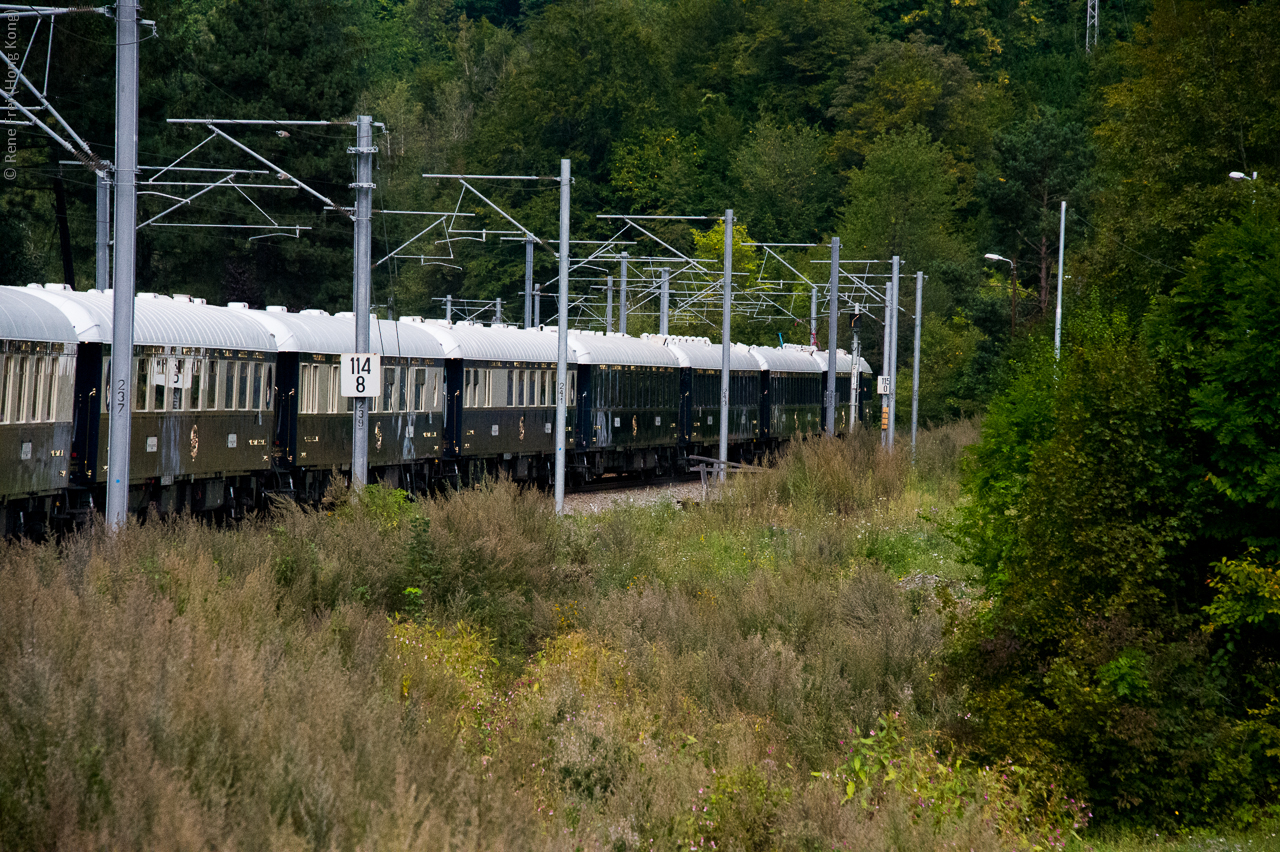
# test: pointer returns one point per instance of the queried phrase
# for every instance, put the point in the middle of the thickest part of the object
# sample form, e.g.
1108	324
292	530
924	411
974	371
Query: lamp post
1013	309
1243	176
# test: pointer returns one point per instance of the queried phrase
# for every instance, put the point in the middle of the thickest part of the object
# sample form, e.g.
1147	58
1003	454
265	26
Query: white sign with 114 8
360	373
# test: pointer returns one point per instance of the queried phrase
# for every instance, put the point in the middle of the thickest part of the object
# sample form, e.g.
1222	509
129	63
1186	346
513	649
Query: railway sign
882	384
360	374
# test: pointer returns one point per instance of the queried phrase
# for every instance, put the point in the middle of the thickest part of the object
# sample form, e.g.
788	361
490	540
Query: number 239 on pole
360	374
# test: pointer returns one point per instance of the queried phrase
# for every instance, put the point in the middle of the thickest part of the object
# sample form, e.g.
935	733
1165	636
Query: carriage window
140	385
37	363
388	387
419	389
256	401
267	388
520	387
159	372
306	388
242	386
511	388
5	364
573	387
210	385
175	381
56	368
335	398
227	370
542	387
196	377
402	384
466	388
435	394
10	408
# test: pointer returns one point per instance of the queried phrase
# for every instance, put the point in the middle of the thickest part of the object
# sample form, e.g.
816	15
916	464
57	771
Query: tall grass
473	672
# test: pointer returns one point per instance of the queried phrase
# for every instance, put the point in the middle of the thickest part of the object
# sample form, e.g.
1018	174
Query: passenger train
232	405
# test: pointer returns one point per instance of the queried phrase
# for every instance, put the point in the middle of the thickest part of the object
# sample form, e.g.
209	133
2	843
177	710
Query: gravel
590	503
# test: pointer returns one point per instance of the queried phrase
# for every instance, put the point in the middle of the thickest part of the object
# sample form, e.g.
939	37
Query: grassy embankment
474	673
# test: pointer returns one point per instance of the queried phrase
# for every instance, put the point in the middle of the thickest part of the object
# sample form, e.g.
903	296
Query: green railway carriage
791	401
628	403
500	391
37	371
313	431
203	382
848	406
700	386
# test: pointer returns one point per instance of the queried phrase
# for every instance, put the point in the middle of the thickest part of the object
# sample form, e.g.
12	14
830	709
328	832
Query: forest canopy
1123	501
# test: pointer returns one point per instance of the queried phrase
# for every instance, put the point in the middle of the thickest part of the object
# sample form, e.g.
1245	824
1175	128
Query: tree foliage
1200	97
1103	516
902	202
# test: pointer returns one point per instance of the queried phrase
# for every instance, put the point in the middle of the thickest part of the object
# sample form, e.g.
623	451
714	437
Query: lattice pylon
1091	26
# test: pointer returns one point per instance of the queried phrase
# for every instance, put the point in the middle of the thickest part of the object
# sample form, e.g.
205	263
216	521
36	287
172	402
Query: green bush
1093	523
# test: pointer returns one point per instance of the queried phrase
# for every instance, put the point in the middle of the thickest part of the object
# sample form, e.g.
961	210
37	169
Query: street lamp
1243	176
1013	309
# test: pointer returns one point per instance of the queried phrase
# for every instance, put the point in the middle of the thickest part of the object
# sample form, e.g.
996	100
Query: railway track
631	482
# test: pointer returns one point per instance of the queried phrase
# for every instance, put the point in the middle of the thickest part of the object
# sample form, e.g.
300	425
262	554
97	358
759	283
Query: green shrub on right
1112	502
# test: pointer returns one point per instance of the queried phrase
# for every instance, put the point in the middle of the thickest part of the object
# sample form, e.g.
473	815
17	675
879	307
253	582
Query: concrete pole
562	349
537	307
854	374
725	344
833	312
528	282
102	255
813	315
915	365
893	358
885	360
1057	319
664	303
448	308
622	297
608	304
126	214
362	293
497	311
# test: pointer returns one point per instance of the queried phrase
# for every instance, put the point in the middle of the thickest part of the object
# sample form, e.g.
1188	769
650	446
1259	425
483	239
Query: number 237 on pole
360	374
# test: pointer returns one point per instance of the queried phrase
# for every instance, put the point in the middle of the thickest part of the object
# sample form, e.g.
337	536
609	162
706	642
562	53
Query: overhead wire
1121	243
